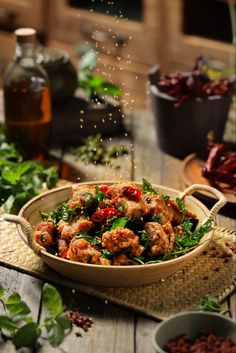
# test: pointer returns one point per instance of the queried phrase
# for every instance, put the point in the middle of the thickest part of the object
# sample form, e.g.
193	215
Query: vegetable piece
147	187
132	193
220	166
104	214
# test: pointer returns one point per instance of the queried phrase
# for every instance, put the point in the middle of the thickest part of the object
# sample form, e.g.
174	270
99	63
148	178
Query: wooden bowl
112	276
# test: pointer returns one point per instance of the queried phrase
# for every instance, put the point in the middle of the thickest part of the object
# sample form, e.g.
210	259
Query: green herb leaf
120	222
16	306
209	303
27	335
147	187
100	195
1	291
181	206
7	325
52	299
56	333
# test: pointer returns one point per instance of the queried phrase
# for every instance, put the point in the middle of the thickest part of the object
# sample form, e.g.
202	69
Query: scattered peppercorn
80	320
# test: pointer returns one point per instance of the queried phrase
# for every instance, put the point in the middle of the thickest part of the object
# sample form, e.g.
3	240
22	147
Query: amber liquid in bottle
27	104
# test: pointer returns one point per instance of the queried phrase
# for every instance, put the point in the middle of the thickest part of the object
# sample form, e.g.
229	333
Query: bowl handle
219	204
27	229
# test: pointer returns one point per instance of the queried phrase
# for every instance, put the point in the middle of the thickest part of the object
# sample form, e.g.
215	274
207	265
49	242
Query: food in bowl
206	341
196	331
119	224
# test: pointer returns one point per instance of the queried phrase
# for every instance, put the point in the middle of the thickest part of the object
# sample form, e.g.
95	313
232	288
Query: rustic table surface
115	329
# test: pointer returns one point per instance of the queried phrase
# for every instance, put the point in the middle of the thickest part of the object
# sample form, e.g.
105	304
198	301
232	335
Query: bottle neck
25	51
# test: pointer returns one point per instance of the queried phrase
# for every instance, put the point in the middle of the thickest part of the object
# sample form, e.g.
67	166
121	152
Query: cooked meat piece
161	238
158	206
174	212
82	251
82	196
118	188
43	234
121	260
120	239
68	231
135	209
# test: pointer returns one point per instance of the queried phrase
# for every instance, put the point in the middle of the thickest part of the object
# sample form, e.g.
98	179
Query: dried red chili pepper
220	165
132	193
104	214
64	253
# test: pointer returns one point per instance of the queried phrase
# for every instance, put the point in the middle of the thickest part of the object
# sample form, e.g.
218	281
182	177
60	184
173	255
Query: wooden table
115	329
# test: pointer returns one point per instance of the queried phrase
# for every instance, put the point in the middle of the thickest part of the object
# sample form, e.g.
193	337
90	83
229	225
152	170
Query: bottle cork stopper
25	35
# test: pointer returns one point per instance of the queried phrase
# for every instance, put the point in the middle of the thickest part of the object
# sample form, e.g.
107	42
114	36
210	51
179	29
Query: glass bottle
27	101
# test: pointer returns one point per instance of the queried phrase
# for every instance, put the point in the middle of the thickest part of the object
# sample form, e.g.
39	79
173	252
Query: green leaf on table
16	306
63	320
209	303
1	291
14	174
27	335
52	299
56	328
7	326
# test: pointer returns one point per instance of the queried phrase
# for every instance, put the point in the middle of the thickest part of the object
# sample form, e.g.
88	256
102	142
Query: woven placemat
211	273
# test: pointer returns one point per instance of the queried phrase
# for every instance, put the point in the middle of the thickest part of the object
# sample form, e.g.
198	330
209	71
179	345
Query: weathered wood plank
111	331
144	334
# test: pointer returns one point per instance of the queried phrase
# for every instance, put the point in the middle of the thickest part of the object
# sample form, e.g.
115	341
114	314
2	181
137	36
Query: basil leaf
52	299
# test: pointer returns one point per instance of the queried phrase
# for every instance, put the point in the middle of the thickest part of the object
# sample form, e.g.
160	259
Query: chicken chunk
82	196
68	231
157	206
121	260
43	234
82	251
121	239
161	238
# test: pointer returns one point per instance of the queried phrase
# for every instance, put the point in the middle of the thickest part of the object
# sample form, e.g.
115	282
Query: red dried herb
196	84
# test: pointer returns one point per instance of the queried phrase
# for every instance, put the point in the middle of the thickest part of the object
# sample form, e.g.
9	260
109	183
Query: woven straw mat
212	273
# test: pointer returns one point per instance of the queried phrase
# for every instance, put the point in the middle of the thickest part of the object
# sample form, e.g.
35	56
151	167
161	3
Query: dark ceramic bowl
191	323
184	129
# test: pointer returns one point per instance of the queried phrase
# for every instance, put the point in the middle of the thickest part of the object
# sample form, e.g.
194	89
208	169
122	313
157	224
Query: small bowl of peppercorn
196	331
